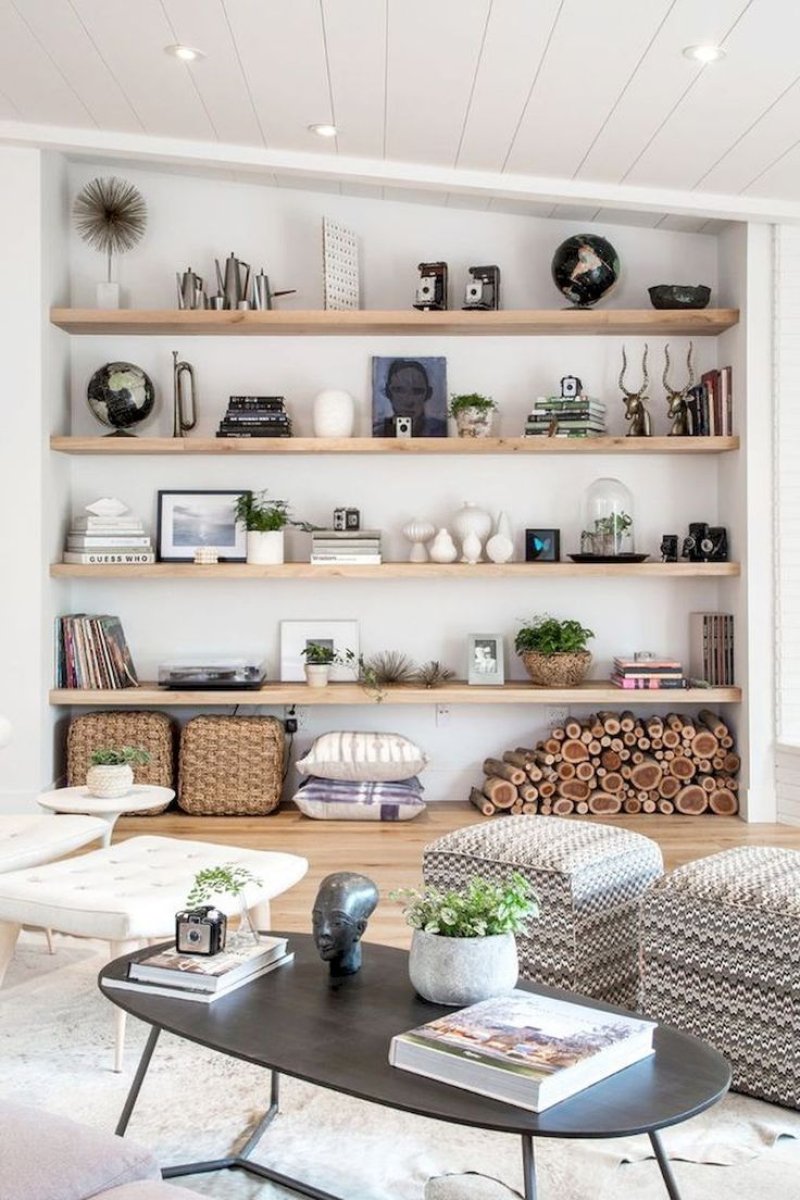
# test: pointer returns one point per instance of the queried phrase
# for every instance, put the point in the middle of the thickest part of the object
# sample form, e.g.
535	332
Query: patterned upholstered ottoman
721	959
589	879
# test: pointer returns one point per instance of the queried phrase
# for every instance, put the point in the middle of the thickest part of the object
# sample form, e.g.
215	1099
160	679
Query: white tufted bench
129	893
28	839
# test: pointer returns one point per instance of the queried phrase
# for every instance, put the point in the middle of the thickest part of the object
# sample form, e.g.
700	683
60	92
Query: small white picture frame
341	636
486	659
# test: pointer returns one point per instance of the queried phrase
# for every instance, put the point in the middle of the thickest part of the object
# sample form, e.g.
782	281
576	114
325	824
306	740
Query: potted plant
111	772
265	521
227	880
319	660
472	414
554	652
463	948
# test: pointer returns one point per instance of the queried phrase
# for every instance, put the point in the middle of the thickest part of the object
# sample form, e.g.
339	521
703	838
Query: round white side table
78	800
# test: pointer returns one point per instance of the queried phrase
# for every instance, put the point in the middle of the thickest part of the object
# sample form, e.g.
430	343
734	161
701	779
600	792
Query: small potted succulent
472	414
265	521
111	772
463	948
554	652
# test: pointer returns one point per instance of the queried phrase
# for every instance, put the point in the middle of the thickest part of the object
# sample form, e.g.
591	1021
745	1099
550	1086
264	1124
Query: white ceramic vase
317	675
109	782
471	520
499	548
443	548
459	971
265	549
334	414
471	548
418	533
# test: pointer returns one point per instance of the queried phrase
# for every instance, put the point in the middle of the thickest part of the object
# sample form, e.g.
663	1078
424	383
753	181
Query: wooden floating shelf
398	570
139	446
522	322
596	691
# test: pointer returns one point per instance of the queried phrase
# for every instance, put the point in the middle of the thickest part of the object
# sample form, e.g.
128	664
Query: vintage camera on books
431	290
200	930
571	387
705	543
483	288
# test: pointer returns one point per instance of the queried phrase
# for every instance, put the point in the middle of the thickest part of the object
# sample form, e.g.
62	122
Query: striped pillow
367	757
348	800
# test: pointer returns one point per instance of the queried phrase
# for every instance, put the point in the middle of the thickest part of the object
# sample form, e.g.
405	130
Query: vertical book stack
711	648
255	417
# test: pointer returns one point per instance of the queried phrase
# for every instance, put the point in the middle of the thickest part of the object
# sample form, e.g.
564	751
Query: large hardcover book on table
524	1049
206	973
195	994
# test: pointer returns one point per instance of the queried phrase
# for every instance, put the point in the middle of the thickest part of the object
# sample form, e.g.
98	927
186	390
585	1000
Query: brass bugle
184	397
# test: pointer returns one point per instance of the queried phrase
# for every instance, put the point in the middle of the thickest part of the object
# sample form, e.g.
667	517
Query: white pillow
368	757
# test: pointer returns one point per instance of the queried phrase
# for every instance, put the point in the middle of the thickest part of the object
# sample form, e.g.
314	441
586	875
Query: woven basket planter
557	670
231	766
153	731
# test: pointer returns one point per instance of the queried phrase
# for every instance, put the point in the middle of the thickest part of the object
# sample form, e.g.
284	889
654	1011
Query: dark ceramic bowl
679	295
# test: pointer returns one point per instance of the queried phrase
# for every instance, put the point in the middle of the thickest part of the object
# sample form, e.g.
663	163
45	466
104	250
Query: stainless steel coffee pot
190	289
234	281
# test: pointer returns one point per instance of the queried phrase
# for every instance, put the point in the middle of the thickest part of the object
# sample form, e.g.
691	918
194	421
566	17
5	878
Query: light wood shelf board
173	322
596	691
189	446
397	570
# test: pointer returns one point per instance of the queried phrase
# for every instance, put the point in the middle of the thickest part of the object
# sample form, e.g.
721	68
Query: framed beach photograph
188	520
338	636
486	659
409	397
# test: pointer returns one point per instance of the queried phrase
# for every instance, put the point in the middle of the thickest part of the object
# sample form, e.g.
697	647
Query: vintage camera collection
703	543
481	292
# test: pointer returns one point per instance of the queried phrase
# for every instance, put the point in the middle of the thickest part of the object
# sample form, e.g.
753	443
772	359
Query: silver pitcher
234	282
262	296
190	289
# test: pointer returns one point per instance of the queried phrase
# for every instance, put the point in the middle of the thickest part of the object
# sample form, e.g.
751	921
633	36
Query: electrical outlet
555	715
294	717
442	715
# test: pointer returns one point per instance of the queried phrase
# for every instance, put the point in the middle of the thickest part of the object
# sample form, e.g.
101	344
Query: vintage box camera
483	289
200	930
571	387
705	543
402	427
346	518
431	290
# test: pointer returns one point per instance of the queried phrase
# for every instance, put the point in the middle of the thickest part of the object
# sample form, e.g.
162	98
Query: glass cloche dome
607	528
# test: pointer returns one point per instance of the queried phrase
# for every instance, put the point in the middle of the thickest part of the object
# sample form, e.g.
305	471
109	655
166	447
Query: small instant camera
402	427
431	290
571	387
200	930
483	289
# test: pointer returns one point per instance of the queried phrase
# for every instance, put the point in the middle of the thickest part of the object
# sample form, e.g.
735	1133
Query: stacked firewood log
616	762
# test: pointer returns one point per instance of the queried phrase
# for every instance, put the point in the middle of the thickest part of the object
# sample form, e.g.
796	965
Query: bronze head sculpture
345	902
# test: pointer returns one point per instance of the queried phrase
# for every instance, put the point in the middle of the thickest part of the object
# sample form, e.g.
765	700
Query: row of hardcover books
711	647
255	417
92	652
653	675
201	977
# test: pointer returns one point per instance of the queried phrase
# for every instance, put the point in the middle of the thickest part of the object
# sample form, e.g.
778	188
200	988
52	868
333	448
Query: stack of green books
576	417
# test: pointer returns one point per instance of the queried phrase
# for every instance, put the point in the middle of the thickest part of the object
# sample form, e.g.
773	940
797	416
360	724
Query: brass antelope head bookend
676	400
635	402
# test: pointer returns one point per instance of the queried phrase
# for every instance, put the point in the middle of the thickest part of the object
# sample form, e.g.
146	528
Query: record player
219	675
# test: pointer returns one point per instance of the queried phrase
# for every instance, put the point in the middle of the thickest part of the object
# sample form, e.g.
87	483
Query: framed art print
338	636
188	520
486	659
409	397
542	545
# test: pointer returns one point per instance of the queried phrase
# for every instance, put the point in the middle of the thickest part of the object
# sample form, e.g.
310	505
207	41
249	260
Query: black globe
121	394
585	268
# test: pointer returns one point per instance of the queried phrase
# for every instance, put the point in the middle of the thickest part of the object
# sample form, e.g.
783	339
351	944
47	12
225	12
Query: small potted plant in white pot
472	414
111	772
554	652
463	948
319	660
265	521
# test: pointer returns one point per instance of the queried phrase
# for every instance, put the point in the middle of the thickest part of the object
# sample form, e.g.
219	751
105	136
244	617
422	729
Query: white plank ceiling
581	90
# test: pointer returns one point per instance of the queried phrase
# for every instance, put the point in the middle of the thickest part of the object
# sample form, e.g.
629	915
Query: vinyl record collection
92	652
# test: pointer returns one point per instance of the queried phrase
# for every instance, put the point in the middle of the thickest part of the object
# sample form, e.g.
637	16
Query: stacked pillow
361	777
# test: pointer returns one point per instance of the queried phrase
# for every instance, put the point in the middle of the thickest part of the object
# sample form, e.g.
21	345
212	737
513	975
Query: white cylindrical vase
265	549
334	414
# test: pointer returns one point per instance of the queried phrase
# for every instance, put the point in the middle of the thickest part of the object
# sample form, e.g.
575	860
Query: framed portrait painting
188	520
486	656
409	397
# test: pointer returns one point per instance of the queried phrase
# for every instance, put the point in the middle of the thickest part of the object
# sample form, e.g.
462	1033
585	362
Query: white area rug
56	1049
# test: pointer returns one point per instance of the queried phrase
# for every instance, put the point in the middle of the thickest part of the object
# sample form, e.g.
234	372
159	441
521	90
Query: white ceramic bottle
443	549
471	520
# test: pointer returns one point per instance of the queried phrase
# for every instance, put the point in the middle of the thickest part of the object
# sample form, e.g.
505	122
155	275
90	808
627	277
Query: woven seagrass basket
231	766
557	670
153	731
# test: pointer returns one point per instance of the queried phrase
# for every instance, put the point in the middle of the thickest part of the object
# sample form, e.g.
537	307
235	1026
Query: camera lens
193	935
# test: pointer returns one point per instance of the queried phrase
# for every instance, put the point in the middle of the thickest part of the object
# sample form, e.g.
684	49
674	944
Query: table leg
110	820
267	1119
138	1080
670	1182
528	1167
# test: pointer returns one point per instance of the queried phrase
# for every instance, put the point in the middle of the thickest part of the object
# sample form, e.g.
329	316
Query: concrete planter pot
265	549
460	971
317	675
108	783
474	422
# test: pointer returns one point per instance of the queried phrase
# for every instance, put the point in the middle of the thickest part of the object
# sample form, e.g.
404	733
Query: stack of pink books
655	674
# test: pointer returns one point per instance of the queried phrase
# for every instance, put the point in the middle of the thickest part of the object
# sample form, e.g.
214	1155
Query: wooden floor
391	854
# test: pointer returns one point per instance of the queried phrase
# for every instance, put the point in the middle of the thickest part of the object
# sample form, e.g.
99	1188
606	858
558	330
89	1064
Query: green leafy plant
227	879
615	524
548	635
317	655
127	756
432	674
481	909
483	404
258	514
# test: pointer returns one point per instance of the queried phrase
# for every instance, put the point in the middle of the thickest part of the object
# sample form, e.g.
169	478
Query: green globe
120	394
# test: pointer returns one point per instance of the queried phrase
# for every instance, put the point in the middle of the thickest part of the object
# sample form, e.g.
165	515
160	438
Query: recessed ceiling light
705	53
184	53
324	130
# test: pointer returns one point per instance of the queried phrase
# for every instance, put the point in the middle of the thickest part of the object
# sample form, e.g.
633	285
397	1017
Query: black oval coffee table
335	1033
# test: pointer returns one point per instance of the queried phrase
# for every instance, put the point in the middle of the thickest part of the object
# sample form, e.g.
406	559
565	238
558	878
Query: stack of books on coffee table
356	547
203	977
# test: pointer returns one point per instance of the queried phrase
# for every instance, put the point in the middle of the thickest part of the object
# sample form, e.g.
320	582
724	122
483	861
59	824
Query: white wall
191	220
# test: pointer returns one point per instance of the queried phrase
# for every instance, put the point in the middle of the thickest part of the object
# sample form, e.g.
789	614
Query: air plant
110	215
432	674
391	667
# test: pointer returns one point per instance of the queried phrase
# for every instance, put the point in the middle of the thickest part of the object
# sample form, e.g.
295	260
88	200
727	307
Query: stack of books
199	977
710	405
711	648
577	417
255	417
653	674
346	546
91	652
524	1049
108	537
